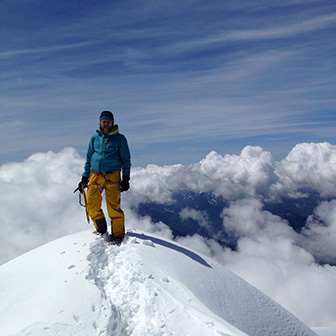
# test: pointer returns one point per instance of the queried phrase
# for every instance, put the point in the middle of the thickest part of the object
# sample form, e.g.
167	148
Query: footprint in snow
148	243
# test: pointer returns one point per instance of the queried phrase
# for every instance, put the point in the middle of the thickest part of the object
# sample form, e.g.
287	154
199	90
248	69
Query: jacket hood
114	131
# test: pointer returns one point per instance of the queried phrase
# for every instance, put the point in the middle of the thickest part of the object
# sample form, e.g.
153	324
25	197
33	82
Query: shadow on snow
167	244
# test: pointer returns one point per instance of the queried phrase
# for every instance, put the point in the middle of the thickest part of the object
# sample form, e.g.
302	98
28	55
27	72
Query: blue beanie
106	115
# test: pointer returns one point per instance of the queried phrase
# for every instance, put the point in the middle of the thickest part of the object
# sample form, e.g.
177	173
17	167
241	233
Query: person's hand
124	184
83	184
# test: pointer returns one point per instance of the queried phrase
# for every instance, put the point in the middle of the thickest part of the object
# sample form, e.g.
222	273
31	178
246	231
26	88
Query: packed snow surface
79	285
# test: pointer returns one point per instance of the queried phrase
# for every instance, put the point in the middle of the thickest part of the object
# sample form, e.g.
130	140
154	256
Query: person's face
106	125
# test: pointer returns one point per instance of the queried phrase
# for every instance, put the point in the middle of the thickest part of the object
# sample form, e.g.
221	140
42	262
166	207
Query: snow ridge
78	285
138	299
124	289
130	301
109	321
134	301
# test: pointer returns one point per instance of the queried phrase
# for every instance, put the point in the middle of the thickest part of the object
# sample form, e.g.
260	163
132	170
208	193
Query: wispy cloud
42	50
281	31
196	70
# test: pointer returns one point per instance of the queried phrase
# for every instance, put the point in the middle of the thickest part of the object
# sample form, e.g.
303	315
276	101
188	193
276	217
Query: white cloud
42	50
270	257
233	177
37	201
38	205
310	166
320	232
247	219
252	173
306	289
144	223
313	24
201	217
154	184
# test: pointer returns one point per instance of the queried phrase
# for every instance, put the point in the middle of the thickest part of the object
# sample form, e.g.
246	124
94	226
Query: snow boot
115	240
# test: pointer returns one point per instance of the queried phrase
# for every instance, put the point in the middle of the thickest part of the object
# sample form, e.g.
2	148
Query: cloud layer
295	267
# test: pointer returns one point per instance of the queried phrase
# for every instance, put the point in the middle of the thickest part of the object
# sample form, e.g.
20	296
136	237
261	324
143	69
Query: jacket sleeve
87	166
125	157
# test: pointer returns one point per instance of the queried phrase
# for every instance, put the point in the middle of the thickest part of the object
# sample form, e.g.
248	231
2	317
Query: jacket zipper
101	154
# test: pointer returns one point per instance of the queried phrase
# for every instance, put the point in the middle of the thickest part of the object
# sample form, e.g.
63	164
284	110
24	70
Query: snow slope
78	285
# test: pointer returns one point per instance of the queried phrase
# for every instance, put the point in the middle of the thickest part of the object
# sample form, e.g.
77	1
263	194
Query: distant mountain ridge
295	211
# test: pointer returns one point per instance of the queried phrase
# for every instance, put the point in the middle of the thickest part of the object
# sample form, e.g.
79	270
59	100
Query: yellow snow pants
109	182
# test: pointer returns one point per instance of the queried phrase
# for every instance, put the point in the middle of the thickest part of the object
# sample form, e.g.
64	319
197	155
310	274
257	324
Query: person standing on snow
107	155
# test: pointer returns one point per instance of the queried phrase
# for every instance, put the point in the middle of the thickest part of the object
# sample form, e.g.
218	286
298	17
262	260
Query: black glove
83	183
124	184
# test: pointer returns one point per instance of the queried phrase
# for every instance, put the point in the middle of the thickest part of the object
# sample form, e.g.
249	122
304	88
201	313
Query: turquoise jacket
108	153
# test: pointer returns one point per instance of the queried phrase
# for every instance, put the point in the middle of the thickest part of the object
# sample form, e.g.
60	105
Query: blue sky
183	78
